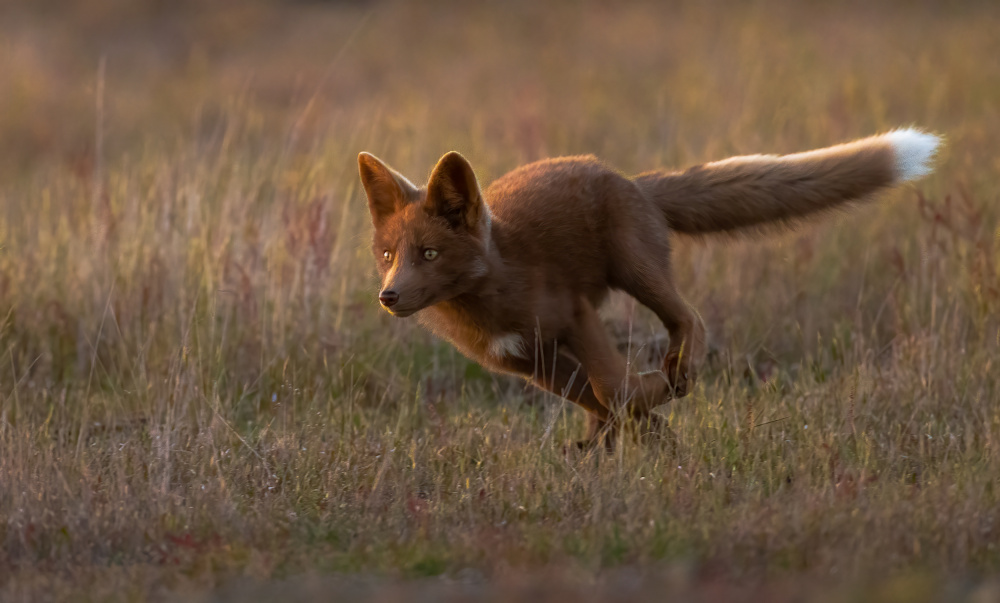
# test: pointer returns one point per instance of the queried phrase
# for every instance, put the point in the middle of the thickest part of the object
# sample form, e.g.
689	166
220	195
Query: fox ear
387	189
453	193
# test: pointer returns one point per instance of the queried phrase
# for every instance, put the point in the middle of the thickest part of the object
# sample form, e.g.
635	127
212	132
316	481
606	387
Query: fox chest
491	345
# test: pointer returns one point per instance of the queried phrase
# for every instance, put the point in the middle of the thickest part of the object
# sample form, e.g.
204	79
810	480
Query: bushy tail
758	190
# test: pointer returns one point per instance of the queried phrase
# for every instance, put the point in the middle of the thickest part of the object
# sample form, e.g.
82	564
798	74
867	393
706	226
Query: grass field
200	397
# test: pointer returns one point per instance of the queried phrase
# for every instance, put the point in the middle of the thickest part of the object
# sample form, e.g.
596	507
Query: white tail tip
913	150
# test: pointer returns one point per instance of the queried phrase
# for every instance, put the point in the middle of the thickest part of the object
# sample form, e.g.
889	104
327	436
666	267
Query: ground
200	397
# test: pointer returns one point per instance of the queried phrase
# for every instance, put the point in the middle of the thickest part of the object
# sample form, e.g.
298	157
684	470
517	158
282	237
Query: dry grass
198	389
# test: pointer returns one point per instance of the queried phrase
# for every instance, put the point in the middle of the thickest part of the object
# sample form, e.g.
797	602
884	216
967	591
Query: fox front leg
564	376
623	394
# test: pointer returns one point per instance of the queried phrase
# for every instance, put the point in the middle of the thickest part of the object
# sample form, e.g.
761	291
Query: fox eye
387	255
430	254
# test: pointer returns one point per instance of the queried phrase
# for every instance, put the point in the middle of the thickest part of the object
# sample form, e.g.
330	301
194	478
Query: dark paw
600	434
652	390
680	377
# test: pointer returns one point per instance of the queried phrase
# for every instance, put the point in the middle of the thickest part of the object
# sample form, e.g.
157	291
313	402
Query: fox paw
680	376
600	433
653	390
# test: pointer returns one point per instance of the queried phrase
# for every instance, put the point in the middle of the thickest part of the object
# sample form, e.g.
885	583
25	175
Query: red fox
513	276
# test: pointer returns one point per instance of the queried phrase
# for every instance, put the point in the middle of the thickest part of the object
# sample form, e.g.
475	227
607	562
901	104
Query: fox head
430	243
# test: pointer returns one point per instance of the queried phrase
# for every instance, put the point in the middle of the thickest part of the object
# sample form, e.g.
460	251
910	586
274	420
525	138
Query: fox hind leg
687	331
644	271
687	334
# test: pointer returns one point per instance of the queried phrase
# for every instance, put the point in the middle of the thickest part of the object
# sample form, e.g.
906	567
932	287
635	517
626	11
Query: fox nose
388	298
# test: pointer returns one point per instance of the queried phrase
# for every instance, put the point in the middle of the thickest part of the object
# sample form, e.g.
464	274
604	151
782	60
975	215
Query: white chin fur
913	150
